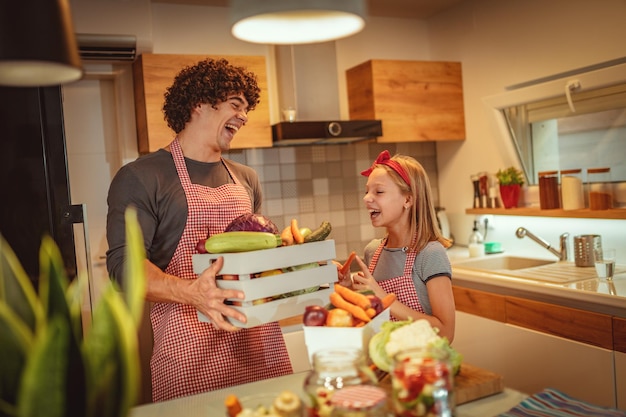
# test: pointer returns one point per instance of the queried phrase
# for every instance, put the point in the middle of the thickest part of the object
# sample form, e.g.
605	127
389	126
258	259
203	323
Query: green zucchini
319	234
241	241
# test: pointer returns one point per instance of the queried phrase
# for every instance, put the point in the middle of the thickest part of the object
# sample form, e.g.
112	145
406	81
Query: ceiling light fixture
289	22
37	44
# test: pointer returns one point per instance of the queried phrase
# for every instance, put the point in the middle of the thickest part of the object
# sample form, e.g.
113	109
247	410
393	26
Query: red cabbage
253	223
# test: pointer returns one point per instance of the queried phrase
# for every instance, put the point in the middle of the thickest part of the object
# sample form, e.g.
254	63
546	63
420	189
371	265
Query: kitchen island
211	404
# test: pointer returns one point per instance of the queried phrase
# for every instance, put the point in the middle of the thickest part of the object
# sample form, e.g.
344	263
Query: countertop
595	294
212	403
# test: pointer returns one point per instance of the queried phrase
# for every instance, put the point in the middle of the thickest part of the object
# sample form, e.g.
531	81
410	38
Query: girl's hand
343	271
363	280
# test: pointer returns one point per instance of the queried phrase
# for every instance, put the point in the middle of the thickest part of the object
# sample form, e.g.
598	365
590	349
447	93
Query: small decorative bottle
333	370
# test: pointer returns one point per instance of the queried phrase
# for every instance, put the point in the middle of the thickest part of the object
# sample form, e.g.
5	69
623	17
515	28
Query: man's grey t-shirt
151	184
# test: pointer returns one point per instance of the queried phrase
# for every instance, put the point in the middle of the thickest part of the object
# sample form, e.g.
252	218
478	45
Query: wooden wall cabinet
153	73
416	100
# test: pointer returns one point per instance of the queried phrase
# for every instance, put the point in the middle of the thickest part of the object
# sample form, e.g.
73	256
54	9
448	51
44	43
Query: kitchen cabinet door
153	73
531	361
415	100
620	379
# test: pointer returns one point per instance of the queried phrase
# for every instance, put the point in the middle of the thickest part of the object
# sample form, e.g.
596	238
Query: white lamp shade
37	44
292	22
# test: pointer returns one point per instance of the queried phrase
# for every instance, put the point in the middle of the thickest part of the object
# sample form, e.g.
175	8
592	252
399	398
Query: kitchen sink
507	262
533	269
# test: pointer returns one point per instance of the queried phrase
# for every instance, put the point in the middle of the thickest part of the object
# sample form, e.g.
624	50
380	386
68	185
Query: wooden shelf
616	214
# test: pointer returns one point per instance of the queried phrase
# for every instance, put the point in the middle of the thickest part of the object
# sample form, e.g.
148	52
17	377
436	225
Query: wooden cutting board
470	384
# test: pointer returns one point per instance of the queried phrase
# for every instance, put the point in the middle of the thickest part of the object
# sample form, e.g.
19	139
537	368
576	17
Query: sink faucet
561	253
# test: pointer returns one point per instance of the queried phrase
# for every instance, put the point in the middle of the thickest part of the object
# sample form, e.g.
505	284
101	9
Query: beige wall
502	43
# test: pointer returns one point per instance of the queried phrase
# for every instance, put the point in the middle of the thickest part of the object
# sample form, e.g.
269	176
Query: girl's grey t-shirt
430	262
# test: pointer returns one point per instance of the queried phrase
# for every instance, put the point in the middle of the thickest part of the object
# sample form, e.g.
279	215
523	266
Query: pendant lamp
37	44
288	22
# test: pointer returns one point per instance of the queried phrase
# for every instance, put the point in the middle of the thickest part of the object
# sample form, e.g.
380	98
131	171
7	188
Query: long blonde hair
423	223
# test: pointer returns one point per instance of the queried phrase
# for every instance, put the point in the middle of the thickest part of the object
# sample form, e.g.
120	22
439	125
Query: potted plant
511	180
49	367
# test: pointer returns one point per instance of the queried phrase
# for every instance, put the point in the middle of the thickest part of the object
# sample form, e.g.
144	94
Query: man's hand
209	299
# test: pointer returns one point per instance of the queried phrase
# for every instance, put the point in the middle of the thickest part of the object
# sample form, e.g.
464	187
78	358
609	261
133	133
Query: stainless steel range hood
308	82
325	132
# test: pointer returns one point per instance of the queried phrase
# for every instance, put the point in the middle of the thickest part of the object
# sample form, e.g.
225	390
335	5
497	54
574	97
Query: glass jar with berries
334	369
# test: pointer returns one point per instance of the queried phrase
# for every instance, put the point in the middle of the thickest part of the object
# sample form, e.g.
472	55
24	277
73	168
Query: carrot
370	312
353	296
287	236
338	301
295	231
233	406
346	266
388	299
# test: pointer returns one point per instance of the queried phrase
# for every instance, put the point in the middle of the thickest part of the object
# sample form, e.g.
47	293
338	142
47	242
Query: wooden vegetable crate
248	264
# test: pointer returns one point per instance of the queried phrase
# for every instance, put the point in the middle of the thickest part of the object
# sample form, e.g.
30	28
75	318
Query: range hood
309	83
325	132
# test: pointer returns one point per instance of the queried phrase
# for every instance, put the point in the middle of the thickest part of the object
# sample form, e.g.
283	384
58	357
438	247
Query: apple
314	316
376	303
338	317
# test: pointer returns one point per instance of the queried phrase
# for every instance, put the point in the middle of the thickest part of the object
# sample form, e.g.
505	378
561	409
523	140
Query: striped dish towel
554	403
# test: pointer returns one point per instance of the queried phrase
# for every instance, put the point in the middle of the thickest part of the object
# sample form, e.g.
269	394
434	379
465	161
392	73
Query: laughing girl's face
384	200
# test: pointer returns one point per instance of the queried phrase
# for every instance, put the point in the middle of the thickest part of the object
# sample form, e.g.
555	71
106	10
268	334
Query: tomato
314	316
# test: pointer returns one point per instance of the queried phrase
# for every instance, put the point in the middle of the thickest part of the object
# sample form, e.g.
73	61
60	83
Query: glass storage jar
600	188
549	190
334	369
572	195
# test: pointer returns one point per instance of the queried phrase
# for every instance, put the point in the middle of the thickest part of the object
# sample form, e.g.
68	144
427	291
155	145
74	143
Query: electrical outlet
489	218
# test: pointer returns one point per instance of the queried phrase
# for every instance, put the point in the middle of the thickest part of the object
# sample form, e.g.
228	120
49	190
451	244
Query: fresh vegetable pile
397	336
250	232
347	308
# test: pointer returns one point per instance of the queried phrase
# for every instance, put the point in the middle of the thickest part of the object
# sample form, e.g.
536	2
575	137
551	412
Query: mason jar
572	195
333	370
549	190
600	188
422	384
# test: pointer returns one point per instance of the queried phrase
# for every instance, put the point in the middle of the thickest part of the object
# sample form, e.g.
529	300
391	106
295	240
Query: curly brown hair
210	81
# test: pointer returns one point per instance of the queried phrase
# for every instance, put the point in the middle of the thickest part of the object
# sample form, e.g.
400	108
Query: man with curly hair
182	193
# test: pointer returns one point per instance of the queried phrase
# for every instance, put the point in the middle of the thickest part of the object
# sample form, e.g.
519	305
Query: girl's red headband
384	158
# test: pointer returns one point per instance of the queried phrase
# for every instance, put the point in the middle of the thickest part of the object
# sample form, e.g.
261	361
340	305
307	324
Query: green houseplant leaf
16	289
509	176
135	287
43	385
16	341
52	369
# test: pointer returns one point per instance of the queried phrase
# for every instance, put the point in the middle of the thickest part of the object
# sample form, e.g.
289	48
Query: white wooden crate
245	264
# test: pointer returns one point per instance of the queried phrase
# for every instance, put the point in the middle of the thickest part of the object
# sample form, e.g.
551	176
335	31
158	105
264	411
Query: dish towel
554	403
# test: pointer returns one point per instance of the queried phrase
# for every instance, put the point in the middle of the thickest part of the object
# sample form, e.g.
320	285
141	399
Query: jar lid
546	173
597	170
571	171
358	397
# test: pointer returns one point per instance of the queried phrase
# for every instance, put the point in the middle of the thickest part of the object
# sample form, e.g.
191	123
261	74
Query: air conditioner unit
94	47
